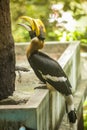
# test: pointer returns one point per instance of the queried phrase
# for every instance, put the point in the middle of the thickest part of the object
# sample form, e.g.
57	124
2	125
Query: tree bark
7	54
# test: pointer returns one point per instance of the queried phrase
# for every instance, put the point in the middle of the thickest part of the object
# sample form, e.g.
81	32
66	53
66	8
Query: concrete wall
45	109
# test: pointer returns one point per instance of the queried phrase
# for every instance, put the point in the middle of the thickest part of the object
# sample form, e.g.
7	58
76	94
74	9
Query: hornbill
47	69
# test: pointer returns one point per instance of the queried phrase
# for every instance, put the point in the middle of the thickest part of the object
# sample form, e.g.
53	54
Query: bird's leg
71	111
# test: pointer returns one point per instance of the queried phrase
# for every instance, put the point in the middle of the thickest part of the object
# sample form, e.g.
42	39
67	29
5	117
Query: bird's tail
70	109
72	116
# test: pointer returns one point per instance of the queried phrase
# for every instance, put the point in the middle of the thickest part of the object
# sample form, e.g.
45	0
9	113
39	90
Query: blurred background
64	20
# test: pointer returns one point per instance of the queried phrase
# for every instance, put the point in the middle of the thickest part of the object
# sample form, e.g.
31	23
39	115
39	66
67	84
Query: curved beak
27	27
35	25
29	20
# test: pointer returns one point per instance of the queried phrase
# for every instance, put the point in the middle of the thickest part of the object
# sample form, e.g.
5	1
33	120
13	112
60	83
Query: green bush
56	30
85	115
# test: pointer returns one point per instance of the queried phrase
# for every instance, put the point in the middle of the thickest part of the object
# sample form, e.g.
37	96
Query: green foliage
56	30
73	25
31	8
85	115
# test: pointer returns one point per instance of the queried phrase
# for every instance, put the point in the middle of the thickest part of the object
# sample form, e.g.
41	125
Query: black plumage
42	64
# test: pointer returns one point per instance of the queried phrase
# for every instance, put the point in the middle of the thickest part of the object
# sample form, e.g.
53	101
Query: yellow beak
35	24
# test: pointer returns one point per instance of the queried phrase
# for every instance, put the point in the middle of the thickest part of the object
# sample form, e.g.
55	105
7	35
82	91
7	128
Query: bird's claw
41	87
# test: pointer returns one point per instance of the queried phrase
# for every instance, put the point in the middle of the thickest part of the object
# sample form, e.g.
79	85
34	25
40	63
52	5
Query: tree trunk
7	54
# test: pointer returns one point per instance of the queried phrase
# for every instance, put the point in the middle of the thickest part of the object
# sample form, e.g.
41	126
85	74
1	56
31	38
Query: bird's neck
34	45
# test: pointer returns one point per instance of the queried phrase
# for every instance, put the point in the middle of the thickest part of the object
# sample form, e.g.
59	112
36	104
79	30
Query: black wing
48	70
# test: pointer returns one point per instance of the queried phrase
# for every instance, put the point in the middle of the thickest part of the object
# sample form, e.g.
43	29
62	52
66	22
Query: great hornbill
47	69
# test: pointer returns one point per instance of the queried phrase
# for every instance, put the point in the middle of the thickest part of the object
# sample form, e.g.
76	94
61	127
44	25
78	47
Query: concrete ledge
79	98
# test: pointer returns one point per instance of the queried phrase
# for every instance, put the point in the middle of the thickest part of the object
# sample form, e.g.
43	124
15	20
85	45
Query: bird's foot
72	116
42	86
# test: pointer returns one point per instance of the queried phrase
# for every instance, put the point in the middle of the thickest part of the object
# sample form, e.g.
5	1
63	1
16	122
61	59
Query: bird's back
46	64
48	70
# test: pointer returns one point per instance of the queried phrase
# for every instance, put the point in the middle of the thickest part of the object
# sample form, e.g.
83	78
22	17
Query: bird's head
37	31
35	27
